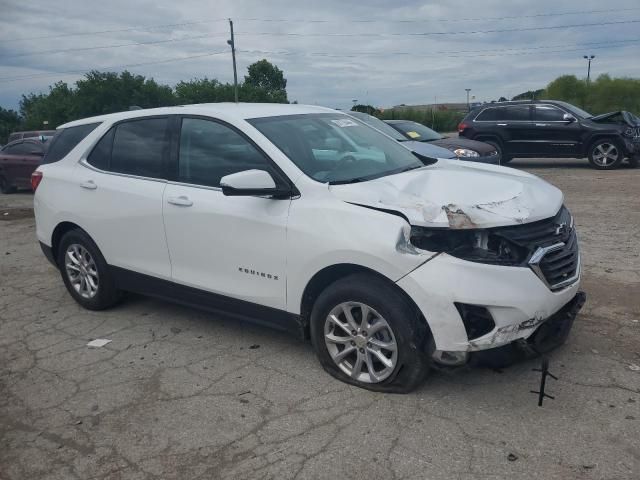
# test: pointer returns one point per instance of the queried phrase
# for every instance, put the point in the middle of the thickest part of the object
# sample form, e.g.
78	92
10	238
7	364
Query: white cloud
380	66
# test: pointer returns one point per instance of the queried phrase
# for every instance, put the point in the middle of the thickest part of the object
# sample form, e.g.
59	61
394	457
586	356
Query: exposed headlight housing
482	246
465	152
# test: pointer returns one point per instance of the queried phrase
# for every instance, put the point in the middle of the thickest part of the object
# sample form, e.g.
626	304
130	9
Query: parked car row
309	220
18	160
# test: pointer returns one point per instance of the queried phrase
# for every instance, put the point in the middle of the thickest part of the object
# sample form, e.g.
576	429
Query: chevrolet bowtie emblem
561	228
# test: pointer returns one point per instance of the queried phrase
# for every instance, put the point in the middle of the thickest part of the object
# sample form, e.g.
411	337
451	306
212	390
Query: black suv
549	128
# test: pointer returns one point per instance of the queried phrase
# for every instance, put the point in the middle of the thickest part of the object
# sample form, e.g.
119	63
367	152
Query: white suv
307	219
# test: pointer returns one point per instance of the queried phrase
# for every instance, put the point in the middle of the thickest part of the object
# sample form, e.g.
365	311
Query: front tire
5	186
85	272
365	332
605	154
503	158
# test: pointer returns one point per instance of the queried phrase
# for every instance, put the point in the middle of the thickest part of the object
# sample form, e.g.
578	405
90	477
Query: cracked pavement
179	393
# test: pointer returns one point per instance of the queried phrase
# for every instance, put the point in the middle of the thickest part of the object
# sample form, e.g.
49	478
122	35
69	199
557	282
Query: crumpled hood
458	195
628	118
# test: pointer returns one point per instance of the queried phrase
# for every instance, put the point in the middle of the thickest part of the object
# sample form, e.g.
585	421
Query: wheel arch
330	274
597	137
59	231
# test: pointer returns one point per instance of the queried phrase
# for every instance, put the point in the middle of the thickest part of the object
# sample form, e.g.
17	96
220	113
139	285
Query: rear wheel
502	158
5	186
605	154
366	333
85	272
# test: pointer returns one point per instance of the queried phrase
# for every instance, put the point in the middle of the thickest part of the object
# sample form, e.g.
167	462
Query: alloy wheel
605	154
361	342
82	271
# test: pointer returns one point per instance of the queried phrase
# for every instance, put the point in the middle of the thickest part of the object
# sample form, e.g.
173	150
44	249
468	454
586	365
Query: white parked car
303	218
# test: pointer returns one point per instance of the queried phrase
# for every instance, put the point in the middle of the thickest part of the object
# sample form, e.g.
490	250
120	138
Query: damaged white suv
306	219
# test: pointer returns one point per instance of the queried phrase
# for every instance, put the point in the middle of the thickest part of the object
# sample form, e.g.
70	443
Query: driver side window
210	150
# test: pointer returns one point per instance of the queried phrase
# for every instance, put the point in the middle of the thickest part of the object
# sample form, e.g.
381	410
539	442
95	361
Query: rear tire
388	348
605	154
85	272
5	186
503	159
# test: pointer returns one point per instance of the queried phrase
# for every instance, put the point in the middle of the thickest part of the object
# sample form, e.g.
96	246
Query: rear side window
137	147
100	156
66	140
488	115
140	147
516	112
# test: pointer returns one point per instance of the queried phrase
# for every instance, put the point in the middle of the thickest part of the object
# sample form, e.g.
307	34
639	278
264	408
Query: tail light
461	127
36	178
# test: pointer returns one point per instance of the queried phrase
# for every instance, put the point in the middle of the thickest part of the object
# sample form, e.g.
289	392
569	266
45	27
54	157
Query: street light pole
232	43
468	106
589	58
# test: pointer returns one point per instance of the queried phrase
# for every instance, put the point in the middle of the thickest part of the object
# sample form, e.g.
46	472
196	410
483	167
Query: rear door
119	195
517	122
10	162
554	135
228	245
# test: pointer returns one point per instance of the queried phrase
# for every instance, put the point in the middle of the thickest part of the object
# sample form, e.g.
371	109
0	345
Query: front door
555	135
228	245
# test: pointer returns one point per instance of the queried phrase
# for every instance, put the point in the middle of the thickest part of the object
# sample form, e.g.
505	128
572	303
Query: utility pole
589	58
233	55
468	105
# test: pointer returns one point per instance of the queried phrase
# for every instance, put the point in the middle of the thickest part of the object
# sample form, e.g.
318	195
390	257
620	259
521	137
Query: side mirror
567	117
252	183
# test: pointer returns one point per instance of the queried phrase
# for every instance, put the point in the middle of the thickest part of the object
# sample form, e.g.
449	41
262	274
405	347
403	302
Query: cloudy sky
332	52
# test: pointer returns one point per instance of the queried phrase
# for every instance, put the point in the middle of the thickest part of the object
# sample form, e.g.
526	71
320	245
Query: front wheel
503	159
605	154
366	333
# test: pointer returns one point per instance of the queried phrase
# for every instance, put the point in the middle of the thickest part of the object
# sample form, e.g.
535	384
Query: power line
476	19
81	49
422	34
100	32
306	20
68	72
498	51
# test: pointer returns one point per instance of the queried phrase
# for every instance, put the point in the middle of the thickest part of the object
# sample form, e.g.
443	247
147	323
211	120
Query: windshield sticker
344	122
413	134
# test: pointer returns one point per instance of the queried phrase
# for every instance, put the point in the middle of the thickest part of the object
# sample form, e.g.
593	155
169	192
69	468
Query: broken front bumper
516	299
551	334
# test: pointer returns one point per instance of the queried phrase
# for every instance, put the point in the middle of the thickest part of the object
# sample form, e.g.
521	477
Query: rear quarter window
66	140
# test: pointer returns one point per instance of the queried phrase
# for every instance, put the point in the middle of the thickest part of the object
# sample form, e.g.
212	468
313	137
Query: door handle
181	201
502	124
89	185
541	124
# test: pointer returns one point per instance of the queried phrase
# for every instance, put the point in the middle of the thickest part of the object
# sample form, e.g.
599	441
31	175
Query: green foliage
9	122
439	120
267	77
529	95
370	109
107	92
605	94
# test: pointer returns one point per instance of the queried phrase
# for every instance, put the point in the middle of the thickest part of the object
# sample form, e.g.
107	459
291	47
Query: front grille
553	248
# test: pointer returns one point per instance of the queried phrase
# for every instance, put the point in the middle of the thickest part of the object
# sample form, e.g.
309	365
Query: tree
502	99
530	95
107	92
56	107
9	122
268	77
370	109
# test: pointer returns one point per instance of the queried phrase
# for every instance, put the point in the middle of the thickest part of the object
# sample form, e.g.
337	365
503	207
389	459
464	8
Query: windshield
578	112
379	125
335	148
416	131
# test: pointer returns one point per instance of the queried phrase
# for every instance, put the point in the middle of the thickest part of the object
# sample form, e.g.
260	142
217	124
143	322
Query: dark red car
18	160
